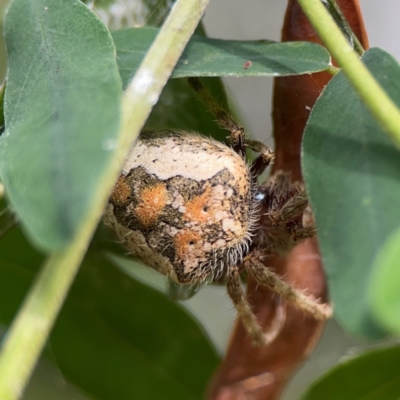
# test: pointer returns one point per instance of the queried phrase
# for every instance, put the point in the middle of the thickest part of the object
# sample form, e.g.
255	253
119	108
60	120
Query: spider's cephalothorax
189	207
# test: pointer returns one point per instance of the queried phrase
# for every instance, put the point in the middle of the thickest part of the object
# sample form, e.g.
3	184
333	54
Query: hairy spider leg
247	316
287	203
270	279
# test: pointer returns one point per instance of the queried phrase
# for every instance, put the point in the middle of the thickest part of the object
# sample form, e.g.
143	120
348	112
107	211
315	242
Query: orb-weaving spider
190	207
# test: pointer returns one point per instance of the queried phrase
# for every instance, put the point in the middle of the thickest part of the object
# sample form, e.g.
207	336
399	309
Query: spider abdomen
183	204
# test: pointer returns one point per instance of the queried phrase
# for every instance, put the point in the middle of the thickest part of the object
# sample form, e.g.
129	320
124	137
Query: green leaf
117	338
62	113
385	284
214	57
352	172
372	376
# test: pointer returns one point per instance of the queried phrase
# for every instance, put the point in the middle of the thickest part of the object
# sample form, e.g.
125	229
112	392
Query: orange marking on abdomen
187	244
121	191
199	208
152	201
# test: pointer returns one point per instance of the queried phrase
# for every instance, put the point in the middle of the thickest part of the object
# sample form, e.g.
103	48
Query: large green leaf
115	338
214	57
352	172
62	112
372	376
385	284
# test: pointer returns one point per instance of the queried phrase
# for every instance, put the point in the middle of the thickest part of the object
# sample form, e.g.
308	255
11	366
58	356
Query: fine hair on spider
190	207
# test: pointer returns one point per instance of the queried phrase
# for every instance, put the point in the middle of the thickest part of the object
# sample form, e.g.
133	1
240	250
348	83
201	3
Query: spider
190	207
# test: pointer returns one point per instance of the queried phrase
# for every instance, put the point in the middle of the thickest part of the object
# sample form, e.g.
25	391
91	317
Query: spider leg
292	208
286	201
300	233
286	206
224	118
247	316
304	302
263	160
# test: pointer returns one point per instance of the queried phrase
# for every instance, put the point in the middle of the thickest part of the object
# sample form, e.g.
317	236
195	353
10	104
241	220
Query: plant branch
371	93
30	329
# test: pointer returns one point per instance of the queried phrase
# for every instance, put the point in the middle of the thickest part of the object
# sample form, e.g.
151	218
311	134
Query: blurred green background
237	20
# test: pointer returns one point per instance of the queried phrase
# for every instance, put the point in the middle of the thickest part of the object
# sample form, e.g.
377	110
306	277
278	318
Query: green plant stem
371	93
333	70
30	329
